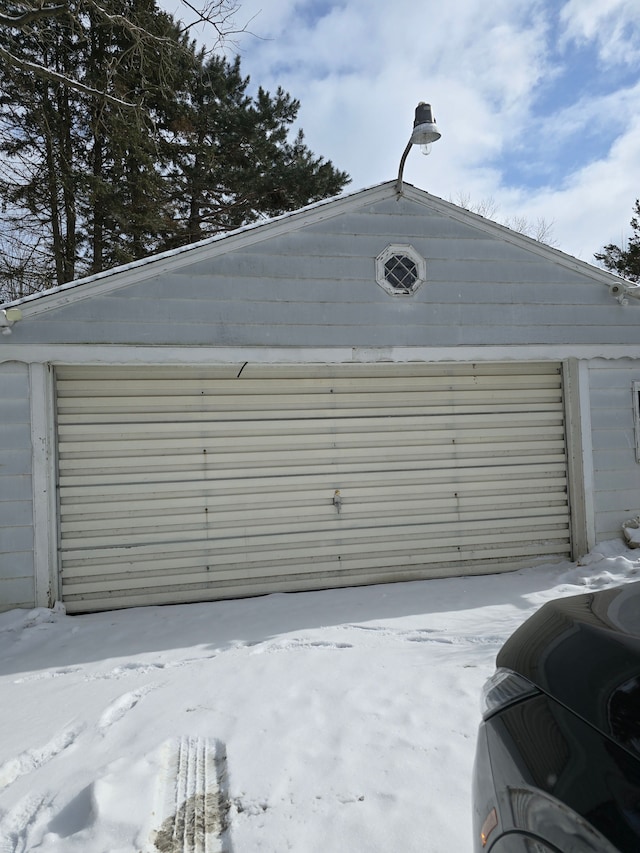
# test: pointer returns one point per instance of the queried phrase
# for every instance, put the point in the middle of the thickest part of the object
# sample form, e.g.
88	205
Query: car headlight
504	688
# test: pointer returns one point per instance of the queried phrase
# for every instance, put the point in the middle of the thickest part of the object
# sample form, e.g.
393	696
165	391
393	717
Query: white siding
16	512
616	472
315	286
183	485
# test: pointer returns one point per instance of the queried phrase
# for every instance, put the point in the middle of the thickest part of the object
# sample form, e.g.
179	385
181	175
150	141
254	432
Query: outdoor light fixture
425	131
624	291
8	317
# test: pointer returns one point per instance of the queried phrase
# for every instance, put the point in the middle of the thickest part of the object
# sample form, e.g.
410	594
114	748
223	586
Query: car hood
584	652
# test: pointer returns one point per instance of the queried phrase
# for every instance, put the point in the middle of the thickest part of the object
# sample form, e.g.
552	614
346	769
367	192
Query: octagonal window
400	270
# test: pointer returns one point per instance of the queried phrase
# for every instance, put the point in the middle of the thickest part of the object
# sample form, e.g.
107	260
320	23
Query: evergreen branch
129	26
31	15
55	77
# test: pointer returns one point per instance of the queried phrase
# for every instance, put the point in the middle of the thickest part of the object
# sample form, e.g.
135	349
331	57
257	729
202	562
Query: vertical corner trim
43	485
580	456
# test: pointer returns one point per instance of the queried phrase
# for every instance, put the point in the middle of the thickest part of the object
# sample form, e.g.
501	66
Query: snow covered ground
342	720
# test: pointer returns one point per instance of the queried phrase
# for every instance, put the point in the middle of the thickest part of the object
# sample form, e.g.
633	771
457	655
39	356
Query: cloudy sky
538	101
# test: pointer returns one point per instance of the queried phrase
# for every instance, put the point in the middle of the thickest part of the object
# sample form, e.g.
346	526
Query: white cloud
614	25
490	70
592	207
360	70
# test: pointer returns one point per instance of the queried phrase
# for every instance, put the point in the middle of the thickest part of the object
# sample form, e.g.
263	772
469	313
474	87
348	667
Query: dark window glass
401	273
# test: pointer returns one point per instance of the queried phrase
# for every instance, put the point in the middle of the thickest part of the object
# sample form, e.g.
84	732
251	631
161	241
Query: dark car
558	756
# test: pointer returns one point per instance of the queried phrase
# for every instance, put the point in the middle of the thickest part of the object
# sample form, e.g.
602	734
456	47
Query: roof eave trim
256	232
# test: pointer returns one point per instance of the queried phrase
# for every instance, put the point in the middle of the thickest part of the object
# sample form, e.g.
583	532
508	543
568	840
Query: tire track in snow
192	797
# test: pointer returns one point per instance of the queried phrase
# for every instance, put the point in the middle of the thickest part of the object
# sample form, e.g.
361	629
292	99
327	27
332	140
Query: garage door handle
337	500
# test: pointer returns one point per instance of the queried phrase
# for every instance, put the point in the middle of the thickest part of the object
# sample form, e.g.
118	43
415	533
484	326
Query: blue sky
538	101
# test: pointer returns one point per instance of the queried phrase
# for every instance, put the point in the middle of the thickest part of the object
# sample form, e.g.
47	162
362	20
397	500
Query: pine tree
624	262
125	202
37	137
86	183
232	158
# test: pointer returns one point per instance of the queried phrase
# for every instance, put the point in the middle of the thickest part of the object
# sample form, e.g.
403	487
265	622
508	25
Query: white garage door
180	485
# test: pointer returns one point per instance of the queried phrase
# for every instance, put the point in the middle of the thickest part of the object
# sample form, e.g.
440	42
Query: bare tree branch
54	76
30	15
217	14
487	207
540	230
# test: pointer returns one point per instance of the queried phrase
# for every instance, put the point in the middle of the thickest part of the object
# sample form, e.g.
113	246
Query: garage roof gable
372	268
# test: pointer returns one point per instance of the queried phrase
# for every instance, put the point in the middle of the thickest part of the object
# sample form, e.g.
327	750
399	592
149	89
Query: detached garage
380	387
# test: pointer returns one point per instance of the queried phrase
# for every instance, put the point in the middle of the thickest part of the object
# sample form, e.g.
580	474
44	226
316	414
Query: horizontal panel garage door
178	485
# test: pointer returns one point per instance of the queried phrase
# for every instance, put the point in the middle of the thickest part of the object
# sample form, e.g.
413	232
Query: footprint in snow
17	824
32	759
290	645
43	676
133	669
120	706
456	640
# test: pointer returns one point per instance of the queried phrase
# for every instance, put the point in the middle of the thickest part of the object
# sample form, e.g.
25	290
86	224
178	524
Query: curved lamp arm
425	131
401	169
